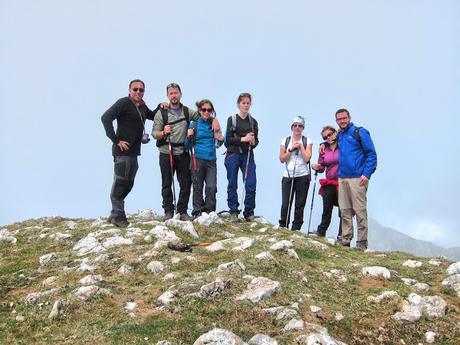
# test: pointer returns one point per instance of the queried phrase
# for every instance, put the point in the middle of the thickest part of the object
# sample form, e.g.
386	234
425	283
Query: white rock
238	264
282	245
294	325
242	243
215	288
91	279
451	280
169	276
125	269
317	339
314	309
383	296
239	243
86	245
219	337
412	263
167	297
20	318
262	220
259	288
134	233
434	262
87	292
186	226
338	317
286	313
56	310
208	219
163	342
49	281
116	241
263	230
338	274
430	337
59	236
46	259
265	256
292	253
71	224
409	281
129	306
454	268
175	260
84	267
227	234
377	271
318	244
331	241
422	286
102	258
146	215
35	296
415	306
262	339
155	266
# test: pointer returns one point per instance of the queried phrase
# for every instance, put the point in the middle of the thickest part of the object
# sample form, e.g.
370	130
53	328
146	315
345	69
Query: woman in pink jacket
328	161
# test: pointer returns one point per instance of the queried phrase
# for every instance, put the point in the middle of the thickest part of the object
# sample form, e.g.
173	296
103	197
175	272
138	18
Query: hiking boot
185	217
318	234
361	245
167	216
119	222
344	243
249	218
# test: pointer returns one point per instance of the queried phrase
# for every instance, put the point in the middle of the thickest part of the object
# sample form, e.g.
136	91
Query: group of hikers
187	141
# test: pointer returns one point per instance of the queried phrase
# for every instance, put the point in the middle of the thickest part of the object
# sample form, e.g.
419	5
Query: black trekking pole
288	215
171	166
245	175
312	199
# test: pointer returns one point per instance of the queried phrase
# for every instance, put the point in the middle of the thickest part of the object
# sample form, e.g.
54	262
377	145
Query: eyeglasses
325	137
297	125
140	89
204	110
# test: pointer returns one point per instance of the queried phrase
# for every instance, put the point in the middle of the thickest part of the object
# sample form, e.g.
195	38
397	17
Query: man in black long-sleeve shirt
130	113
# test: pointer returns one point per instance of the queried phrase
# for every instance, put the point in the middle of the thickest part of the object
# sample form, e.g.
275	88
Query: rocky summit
212	281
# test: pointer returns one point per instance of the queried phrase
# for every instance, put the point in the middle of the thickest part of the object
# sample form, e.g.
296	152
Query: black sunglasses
209	110
296	125
328	136
140	89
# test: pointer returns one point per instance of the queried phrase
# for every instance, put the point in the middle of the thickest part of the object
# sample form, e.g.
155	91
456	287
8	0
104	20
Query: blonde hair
328	127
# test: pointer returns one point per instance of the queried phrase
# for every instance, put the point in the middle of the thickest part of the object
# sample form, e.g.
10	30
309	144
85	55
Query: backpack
164	115
233	128
358	137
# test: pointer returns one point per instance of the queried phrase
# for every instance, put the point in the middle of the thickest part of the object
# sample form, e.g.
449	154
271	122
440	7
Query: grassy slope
104	321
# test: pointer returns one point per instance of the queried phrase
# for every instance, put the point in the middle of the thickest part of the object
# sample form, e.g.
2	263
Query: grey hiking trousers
125	169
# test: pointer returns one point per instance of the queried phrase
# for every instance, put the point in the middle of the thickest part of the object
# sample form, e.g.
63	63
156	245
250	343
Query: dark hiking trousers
299	193
181	166
125	169
206	173
330	199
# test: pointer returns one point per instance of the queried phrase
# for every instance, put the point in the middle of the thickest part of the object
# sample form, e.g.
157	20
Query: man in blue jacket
357	162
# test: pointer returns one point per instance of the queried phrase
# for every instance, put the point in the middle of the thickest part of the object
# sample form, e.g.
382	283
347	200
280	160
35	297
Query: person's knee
121	188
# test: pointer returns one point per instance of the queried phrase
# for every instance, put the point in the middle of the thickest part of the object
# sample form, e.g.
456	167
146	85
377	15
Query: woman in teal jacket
202	141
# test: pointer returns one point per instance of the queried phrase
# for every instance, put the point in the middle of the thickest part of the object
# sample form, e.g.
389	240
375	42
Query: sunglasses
173	85
296	125
328	136
204	110
140	89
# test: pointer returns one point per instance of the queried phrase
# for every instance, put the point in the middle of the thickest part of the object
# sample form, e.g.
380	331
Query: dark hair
328	127
174	85
342	110
244	95
136	81
199	104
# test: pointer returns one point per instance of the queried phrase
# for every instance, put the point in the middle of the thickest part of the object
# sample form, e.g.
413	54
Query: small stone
430	337
125	269
314	309
412	263
46	259
338	317
434	262
282	245
377	271
129	306
91	279
294	325
454	268
49	281
20	318
57	309
155	266
262	339
265	256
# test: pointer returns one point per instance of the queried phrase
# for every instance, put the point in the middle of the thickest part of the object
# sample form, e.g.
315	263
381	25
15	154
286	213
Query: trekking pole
312	199
245	175
171	166
288	214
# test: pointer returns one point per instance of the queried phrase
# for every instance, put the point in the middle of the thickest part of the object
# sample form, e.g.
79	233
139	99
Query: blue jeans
233	163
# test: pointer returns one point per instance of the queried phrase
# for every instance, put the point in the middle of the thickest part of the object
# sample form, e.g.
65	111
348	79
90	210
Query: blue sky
393	64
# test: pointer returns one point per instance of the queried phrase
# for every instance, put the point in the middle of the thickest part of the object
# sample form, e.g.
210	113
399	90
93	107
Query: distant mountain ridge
385	239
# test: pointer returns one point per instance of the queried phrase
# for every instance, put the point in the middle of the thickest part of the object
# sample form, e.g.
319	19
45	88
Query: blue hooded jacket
205	144
354	160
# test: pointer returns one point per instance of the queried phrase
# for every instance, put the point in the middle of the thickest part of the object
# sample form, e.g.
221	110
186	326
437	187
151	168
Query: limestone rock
57	309
317	339
259	288
208	219
186	226
430	337
91	279
292	253
265	256
239	243
377	271
452	280
283	245
35	296
318	244
415	306
454	268
383	296
155	266
49	281
46	259
167	297
85	293
125	269
294	325
237	264
422	286
219	337
412	263
7	236
335	273
409	281
215	288
164	236
434	262
262	339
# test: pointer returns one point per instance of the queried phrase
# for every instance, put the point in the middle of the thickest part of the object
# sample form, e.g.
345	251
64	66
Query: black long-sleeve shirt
130	125
233	137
